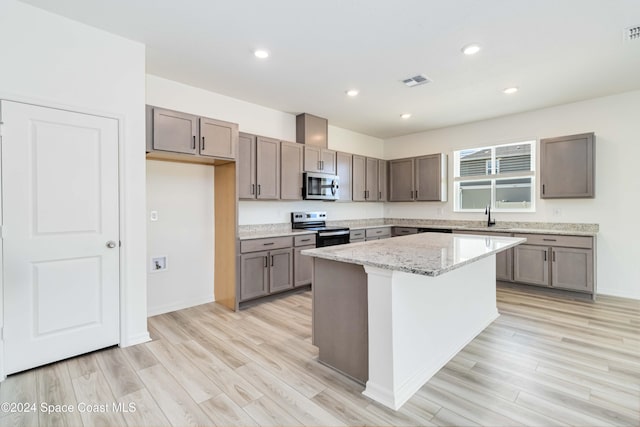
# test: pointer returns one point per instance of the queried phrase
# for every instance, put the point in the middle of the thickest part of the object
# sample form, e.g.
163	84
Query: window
502	176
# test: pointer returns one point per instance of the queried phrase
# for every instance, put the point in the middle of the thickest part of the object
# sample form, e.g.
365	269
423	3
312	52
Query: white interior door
60	234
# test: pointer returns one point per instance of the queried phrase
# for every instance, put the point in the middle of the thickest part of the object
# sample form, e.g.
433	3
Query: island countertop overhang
426	254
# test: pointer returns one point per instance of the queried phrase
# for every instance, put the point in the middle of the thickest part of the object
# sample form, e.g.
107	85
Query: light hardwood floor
547	361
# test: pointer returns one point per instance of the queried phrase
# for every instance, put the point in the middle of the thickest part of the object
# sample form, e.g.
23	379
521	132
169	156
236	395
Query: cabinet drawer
402	231
265	244
378	232
356	235
584	242
305	240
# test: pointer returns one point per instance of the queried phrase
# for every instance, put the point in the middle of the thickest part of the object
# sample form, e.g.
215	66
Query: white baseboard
154	311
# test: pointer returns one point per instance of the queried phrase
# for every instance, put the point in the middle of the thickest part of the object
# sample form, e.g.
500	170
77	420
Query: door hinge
2	333
1	232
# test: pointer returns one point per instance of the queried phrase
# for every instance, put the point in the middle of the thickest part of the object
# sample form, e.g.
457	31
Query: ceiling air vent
632	34
418	80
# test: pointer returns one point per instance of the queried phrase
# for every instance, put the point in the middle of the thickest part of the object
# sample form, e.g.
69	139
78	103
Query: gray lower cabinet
343	168
266	267
567	167
377	233
302	267
531	265
403	231
557	261
356	235
291	155
182	133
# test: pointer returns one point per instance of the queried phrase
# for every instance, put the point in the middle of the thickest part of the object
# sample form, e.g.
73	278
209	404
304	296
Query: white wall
182	195
616	123
355	143
54	61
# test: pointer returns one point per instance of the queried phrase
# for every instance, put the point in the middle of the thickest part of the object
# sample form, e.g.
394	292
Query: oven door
331	238
320	186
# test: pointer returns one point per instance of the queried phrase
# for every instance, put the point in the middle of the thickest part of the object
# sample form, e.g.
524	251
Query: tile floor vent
420	79
632	34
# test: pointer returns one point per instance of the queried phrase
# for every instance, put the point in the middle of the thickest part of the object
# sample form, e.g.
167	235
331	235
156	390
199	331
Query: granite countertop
259	231
428	254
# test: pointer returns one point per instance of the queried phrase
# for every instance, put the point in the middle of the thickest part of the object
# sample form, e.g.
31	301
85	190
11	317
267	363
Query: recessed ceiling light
471	49
405	116
261	53
352	92
510	90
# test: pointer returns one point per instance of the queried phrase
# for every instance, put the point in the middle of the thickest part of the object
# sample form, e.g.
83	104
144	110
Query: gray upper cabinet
246	166
343	169
291	155
401	180
181	133
359	178
267	168
258	167
382	180
567	167
429	179
311	130
172	131
421	178
217	138
318	159
366	181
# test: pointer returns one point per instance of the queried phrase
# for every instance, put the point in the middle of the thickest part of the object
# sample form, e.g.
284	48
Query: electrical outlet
158	264
153	215
557	212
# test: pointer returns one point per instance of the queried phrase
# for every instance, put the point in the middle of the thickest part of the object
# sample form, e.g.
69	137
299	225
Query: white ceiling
555	51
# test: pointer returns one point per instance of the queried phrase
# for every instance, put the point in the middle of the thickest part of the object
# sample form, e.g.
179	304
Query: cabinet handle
305	240
545	256
202	143
266	262
379	195
319	165
554	255
542	188
259	189
549	240
253	189
193	146
268	244
416	194
271	260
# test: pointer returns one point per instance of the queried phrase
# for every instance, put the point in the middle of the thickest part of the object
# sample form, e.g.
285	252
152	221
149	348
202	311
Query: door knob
111	244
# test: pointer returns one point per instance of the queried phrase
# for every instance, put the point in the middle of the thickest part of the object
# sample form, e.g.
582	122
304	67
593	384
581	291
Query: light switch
153	216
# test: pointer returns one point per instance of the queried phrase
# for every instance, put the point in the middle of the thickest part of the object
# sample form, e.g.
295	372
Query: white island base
417	323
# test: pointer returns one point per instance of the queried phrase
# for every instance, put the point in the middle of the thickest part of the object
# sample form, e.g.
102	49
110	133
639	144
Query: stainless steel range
316	221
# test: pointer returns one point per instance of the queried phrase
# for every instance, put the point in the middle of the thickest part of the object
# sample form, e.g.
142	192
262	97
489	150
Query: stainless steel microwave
320	186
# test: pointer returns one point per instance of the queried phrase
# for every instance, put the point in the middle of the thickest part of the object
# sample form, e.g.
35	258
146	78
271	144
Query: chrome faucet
487	211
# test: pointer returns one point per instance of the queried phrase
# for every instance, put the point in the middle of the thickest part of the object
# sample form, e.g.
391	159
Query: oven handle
332	233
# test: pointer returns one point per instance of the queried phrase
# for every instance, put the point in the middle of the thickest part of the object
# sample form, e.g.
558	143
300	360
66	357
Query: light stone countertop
249	235
426	254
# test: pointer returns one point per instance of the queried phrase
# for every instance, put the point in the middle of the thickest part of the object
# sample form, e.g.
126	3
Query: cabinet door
174	131
358	179
401	180
328	162
504	265
382	180
291	171
427	178
280	270
246	166
567	167
531	264
343	167
254	275
267	168
218	138
312	159
371	183
572	268
302	267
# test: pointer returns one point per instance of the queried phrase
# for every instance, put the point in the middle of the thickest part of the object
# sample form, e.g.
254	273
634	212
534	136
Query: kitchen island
390	313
